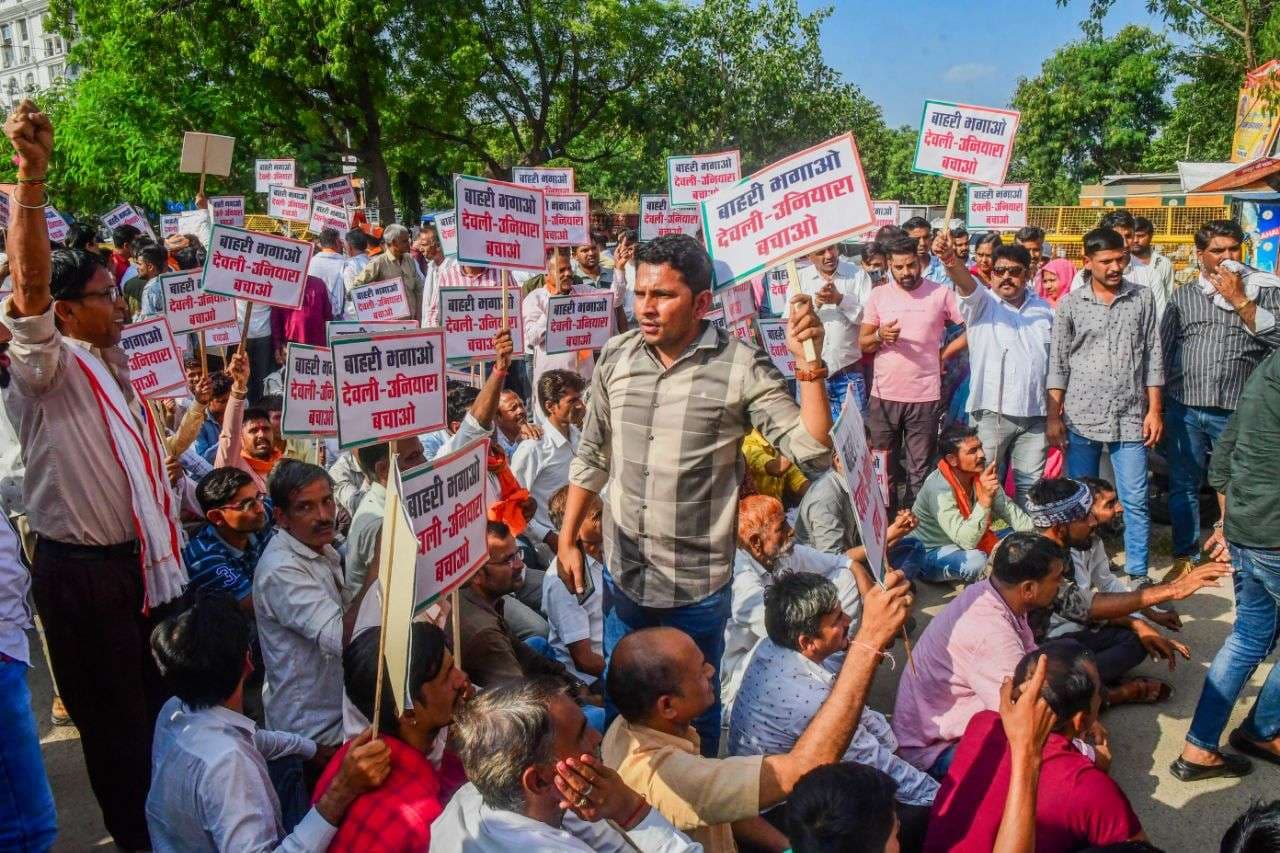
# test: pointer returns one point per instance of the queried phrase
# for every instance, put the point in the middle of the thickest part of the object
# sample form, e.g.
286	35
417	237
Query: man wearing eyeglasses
223	555
1009	328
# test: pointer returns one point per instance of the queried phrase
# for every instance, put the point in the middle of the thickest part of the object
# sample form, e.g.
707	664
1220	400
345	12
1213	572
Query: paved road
1177	816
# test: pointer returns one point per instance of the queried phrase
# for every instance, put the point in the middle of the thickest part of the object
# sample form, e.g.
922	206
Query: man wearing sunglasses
1009	329
223	555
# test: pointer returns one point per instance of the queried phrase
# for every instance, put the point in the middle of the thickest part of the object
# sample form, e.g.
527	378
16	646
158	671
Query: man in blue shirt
223	555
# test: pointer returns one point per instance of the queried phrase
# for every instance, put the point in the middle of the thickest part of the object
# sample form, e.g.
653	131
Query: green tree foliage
1092	111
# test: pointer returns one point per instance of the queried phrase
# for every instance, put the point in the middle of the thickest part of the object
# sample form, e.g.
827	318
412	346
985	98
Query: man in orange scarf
247	441
956	507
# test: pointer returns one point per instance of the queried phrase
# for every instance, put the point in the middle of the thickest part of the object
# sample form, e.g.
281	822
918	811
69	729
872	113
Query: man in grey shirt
1106	371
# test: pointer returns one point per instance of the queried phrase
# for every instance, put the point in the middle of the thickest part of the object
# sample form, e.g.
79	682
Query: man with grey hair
536	783
791	673
395	261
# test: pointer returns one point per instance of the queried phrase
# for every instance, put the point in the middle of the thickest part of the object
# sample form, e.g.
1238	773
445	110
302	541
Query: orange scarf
989	540
509	508
261	467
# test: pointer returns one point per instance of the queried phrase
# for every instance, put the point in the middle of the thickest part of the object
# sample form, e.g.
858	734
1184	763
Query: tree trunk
410	194
371	153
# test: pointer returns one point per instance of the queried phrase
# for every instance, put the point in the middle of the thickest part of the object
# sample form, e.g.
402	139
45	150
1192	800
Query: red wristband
630	822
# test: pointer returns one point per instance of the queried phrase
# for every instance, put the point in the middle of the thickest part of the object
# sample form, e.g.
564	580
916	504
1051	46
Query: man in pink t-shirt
903	324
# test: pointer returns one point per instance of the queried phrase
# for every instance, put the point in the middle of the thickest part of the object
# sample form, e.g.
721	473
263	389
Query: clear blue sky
900	52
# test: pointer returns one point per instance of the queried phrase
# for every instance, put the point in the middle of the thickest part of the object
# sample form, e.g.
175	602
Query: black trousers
909	431
262	362
1115	650
90	601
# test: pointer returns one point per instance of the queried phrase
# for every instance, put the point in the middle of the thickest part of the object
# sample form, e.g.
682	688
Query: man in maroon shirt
1078	805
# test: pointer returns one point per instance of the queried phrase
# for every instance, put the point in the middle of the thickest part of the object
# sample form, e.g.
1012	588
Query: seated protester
969	648
772	473
424	773
576	627
956	506
492	652
825	520
542	466
660	683
297	597
206	443
512	423
766	549
366	524
247	439
1255	831
790	675
209	785
1095	607
536	783
225	552
1077	804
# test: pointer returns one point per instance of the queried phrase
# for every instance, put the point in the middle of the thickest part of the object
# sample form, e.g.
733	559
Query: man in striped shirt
670	403
1214	333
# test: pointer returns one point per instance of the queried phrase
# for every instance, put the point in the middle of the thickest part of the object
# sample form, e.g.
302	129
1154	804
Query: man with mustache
904	324
1106	373
247	441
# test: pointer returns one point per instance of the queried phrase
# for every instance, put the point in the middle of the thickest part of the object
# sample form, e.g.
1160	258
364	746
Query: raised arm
945	252
486	403
28	245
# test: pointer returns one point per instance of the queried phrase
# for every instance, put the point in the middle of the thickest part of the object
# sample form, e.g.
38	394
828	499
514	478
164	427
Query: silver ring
589	789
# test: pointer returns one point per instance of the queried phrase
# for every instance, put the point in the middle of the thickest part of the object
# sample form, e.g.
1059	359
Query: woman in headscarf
1054	280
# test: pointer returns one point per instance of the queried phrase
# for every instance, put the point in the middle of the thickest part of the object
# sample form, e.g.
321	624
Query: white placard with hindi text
551	180
227	210
579	322
169	224
1000	208
471	316
965	143
499	224
691	178
289	203
338	191
56	224
567	219
346	328
849	437
773	337
804	202
257	267
127	214
325	215
155	367
447	228
885	213
738	303
381	300
222	336
308	392
188	308
658	218
390	386
269	173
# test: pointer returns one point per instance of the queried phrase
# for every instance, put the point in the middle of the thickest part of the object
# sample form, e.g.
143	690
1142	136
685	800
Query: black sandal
1242	743
1232	766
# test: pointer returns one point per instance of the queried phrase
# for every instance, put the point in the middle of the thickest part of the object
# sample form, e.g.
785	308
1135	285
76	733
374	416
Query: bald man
660	682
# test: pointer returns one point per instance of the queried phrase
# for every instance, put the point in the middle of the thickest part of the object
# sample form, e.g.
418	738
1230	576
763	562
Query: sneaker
1141	583
58	713
1181	565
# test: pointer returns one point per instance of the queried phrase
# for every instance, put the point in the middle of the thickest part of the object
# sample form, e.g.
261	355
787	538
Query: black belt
72	551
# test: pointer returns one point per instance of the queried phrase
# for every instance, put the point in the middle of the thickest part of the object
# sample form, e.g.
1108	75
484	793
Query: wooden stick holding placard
793	289
506	281
906	640
204	360
244	329
951	207
385	564
204	156
455	608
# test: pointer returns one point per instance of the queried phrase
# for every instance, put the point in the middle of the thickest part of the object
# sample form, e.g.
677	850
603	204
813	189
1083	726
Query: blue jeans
952	563
28	821
593	713
1129	459
1252	640
907	556
840	385
703	621
1190	432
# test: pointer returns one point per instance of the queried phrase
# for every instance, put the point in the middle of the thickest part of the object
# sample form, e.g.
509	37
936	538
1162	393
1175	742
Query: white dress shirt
542	467
210	790
15	584
840	322
570	622
351	268
995	327
431	292
534	315
468	431
297	602
468	824
329	267
745	627
781	693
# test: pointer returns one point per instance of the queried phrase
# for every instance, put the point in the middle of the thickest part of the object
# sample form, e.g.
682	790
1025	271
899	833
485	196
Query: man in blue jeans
1214	334
670	403
1244	472
1106	370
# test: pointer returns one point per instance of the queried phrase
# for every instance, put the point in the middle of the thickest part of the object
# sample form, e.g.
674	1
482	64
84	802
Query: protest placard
885	213
188	308
325	215
773	336
56	224
155	368
807	201
579	322
339	191
126	214
693	177
499	224
397	575
1002	208
220	336
381	300
256	267
568	219
850	440
738	303
447	228
308	392
471	316
880	462
169	224
193	221
658	218
552	181
964	142
346	328
227	210
447	498
206	154
268	173
777	285
290	203
390	385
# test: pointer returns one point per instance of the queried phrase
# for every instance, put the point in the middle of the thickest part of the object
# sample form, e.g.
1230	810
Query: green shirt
942	524
1246	465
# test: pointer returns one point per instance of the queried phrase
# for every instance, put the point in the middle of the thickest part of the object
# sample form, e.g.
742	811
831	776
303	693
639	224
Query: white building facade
32	56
